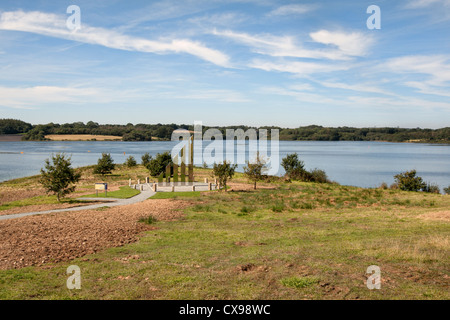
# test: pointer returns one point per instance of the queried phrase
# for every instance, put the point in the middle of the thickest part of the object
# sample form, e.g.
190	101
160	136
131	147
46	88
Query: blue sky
253	62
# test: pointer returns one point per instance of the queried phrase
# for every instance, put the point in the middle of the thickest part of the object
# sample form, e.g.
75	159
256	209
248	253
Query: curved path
112	202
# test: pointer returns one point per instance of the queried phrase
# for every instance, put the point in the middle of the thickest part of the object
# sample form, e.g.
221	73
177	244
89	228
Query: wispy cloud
436	68
298	68
55	26
31	97
417	4
292	9
343	45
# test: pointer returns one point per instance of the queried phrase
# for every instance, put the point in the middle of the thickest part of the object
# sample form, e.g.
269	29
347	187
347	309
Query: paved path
112	202
146	193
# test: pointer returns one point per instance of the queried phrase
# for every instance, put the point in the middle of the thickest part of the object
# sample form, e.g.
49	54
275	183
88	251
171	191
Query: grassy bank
282	241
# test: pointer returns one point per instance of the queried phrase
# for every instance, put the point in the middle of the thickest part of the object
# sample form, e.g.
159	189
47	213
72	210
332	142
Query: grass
123	193
39	200
176	195
316	244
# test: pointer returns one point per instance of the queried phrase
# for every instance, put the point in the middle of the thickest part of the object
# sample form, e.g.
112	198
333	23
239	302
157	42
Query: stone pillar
173	188
147	180
155	187
193	188
210	186
206	180
129	183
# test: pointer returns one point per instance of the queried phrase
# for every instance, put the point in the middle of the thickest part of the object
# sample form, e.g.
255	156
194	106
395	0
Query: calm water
364	164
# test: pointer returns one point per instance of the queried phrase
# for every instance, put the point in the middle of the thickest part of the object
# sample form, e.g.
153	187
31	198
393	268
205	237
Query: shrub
408	181
431	188
223	172
294	167
146	159
58	176
447	190
130	162
318	175
383	186
105	165
254	170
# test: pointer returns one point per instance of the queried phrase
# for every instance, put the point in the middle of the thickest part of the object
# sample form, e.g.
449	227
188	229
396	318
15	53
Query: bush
223	172
158	165
407	181
447	190
383	186
105	165
431	188
319	176
294	167
146	158
130	162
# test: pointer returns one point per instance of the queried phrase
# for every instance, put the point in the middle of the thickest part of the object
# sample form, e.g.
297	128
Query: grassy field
282	241
122	193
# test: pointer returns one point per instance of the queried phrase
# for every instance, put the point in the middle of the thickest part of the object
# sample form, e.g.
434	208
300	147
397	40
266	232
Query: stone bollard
155	187
173	188
147	180
210	186
142	187
139	181
129	183
206	180
193	188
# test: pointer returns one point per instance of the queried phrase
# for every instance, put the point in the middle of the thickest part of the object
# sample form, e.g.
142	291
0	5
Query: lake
363	164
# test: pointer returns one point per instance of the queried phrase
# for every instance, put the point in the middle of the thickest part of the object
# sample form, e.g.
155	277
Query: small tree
295	168
146	158
224	172
105	165
130	162
159	164
58	177
407	181
254	171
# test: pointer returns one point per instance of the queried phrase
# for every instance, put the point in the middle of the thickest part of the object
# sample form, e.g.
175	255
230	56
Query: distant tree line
147	132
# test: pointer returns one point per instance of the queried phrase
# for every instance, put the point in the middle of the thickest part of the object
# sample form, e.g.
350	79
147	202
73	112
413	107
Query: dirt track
37	240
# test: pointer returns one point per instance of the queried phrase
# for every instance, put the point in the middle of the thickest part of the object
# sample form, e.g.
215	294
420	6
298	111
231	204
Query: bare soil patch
37	240
10	138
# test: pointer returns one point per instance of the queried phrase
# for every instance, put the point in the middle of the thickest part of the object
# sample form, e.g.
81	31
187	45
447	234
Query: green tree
130	162
294	167
58	176
105	165
408	181
224	172
254	171
158	165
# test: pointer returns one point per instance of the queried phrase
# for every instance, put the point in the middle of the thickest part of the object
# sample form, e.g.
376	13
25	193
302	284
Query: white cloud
30	97
435	67
215	95
345	45
351	44
292	9
55	26
296	67
416	4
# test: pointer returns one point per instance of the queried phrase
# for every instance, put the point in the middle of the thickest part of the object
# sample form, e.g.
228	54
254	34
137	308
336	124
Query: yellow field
80	137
